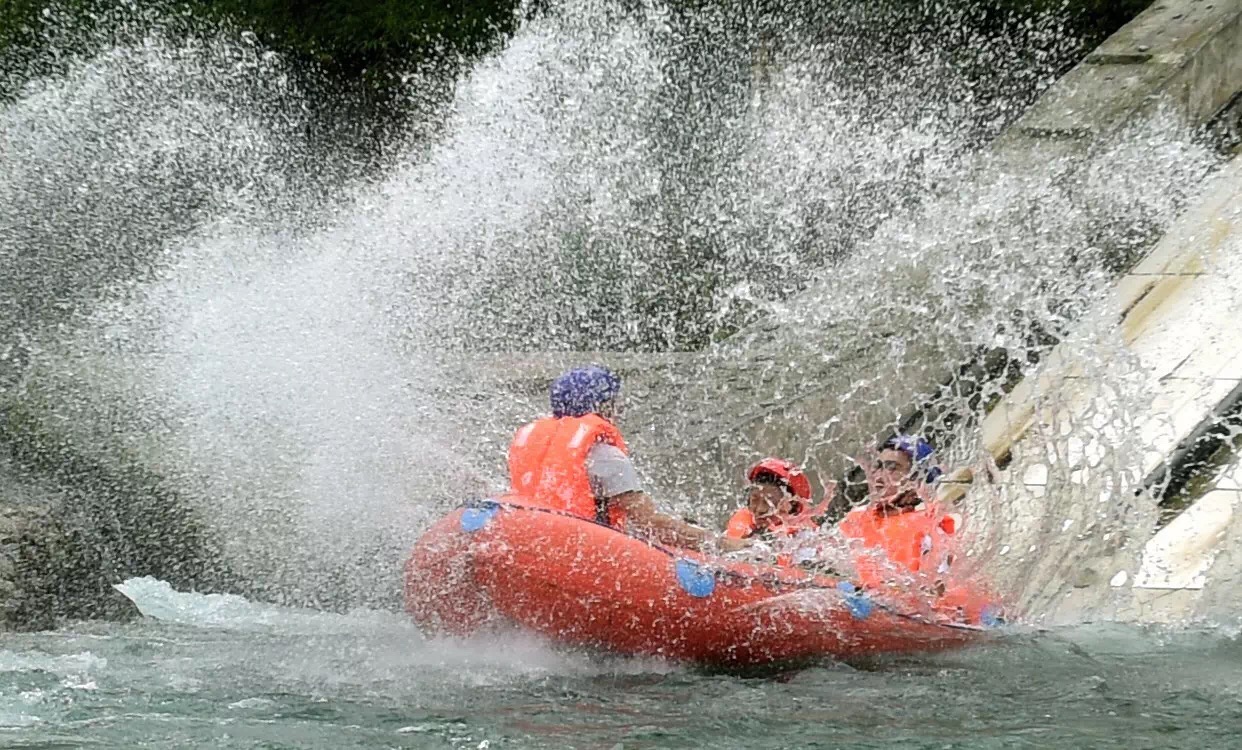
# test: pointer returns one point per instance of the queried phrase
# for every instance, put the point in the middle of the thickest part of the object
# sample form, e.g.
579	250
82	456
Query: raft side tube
582	583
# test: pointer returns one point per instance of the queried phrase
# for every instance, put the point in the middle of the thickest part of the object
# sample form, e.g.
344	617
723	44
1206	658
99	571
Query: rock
1085	577
49	573
73	523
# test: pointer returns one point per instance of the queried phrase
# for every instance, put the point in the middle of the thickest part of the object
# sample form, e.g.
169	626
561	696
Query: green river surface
218	671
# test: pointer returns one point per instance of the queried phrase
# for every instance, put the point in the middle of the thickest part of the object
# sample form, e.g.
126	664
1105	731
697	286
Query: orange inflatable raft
585	584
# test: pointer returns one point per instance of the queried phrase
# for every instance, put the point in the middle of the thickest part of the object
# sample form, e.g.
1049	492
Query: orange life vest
547	465
743	524
897	541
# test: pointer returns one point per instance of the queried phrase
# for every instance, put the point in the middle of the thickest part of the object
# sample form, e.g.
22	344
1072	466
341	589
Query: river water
219	671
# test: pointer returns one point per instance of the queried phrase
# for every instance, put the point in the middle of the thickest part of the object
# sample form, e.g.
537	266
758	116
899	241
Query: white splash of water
283	363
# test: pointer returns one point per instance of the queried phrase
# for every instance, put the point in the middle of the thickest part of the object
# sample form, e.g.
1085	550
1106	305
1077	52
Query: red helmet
787	472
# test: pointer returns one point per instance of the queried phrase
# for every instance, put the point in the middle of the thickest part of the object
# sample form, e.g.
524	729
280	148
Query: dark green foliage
350	37
1094	19
345	37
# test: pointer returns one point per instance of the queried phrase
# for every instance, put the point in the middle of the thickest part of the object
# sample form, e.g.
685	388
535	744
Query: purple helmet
583	390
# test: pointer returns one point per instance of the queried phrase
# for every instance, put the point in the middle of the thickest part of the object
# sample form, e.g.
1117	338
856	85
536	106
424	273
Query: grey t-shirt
611	472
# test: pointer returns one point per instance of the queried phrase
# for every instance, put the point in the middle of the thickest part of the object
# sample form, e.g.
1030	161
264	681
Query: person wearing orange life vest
778	502
901	530
577	462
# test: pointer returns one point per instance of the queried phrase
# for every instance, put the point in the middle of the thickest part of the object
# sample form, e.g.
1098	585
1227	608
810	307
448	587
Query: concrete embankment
1180	349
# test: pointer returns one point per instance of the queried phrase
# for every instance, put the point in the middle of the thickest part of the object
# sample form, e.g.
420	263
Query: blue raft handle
475	518
992	616
860	606
694	580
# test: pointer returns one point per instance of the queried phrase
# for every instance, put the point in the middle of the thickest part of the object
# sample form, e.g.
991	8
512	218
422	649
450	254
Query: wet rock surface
49	574
72	527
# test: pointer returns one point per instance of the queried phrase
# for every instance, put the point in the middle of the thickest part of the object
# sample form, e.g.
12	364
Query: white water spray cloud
599	181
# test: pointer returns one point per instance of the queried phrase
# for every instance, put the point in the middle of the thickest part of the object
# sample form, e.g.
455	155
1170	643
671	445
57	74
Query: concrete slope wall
1084	440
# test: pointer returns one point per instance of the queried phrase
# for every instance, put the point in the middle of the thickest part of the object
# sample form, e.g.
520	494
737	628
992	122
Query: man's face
890	477
767	499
